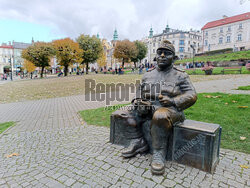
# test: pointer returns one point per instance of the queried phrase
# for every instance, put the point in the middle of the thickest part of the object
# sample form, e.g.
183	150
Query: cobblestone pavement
56	150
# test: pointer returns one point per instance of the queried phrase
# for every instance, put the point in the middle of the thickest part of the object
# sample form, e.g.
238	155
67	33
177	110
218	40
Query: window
221	30
220	40
153	44
239	37
188	42
173	42
228	39
182	35
181	42
153	51
206	33
188	49
181	49
205	42
240	26
229	28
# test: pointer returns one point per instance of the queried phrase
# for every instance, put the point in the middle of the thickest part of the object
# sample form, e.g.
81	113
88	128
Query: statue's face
164	58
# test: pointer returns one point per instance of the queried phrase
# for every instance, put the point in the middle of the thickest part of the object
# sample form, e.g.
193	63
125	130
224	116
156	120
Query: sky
47	20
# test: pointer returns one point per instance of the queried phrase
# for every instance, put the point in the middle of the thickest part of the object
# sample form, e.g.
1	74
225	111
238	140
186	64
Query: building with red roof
229	32
10	56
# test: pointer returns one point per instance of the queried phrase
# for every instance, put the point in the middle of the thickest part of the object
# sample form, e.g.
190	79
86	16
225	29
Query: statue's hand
166	101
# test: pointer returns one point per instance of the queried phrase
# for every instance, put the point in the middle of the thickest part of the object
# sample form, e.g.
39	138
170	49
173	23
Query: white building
18	47
182	41
10	56
229	32
6	58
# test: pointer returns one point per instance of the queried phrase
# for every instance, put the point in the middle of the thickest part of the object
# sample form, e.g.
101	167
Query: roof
7	46
227	20
21	45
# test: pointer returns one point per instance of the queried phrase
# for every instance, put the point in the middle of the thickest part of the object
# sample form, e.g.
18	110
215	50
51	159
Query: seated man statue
163	95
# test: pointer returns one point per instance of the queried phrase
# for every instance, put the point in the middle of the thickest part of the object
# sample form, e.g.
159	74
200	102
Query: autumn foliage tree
141	52
39	54
67	53
29	67
92	49
125	50
102	60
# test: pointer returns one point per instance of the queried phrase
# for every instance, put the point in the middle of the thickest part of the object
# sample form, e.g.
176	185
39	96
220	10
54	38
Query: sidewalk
56	150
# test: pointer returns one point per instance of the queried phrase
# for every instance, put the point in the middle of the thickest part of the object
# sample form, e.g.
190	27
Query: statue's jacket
173	83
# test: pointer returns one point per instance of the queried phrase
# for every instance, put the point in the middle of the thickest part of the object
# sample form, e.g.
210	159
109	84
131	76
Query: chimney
224	16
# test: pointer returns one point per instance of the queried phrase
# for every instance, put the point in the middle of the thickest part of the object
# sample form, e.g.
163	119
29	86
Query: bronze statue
163	95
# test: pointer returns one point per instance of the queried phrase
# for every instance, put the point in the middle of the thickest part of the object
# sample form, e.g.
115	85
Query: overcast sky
20	20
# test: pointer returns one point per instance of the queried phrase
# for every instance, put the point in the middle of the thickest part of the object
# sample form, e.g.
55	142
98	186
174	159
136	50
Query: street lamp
193	47
11	77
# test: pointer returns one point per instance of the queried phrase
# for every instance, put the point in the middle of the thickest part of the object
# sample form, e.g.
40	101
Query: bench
191	143
231	69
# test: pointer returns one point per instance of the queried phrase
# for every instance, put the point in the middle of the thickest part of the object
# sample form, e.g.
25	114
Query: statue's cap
167	45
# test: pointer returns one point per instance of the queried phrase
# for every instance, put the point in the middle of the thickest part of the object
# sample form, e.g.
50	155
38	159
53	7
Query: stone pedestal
191	143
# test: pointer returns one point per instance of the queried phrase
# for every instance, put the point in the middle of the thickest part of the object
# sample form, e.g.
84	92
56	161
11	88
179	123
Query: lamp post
193	47
11	69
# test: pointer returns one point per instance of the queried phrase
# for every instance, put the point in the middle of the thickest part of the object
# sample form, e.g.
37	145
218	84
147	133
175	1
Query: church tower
151	33
115	36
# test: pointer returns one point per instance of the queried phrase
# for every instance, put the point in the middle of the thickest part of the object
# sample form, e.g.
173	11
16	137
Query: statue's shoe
158	162
138	145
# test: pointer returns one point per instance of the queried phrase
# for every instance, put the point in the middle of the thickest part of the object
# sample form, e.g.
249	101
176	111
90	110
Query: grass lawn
228	110
219	57
244	88
216	71
4	126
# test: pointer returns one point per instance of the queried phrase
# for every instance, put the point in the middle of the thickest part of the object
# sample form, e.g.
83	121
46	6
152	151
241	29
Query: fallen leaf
11	155
242	106
242	138
244	166
216	96
207	96
234	101
226	103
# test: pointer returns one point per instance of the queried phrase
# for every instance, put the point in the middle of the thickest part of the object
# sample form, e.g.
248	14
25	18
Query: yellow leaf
244	166
234	101
242	138
11	155
207	96
242	106
226	103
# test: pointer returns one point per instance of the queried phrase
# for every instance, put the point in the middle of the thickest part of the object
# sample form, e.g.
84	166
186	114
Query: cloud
132	18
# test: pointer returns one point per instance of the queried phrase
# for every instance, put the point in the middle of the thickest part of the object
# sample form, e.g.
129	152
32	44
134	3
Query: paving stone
149	183
169	183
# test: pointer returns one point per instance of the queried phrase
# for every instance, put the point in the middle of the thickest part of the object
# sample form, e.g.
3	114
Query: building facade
186	43
11	56
229	32
6	58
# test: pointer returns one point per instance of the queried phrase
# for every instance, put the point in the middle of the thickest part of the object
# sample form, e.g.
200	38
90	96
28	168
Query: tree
92	49
29	67
102	60
67	53
39	54
141	52
125	50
